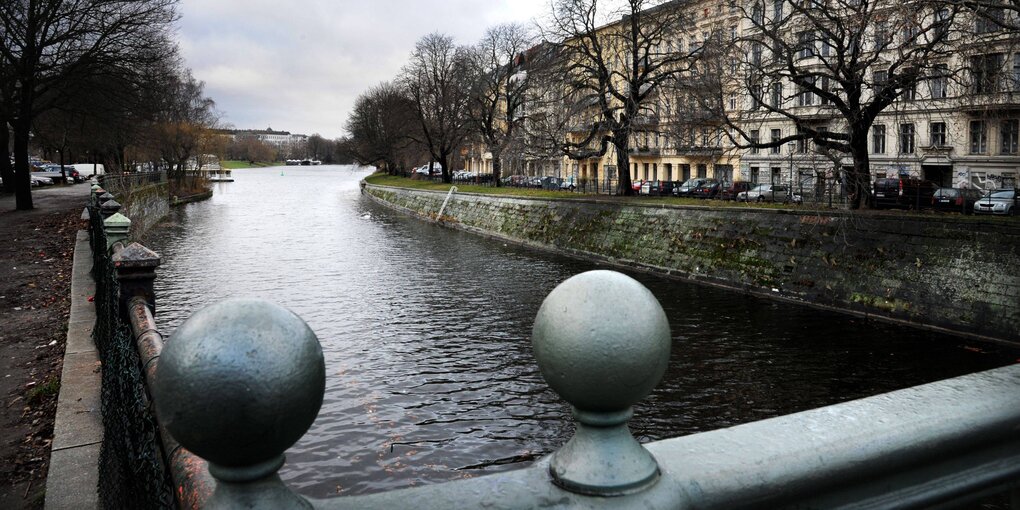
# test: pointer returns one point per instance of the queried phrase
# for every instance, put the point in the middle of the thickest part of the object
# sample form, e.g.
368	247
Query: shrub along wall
954	273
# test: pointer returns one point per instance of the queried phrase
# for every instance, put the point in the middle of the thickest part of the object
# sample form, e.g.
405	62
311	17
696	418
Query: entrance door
939	174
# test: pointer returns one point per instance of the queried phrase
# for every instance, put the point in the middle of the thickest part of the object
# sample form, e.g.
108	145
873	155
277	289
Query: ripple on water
426	334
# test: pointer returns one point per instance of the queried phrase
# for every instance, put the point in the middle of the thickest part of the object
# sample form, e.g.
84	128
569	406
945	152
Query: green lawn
234	164
403	182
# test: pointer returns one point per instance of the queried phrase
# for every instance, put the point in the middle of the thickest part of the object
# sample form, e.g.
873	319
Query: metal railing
244	379
118	183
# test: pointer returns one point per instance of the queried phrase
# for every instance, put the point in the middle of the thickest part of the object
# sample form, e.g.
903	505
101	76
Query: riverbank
34	308
238	165
921	270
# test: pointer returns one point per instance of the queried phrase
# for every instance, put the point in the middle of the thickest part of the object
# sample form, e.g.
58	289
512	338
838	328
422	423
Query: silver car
769	193
1000	201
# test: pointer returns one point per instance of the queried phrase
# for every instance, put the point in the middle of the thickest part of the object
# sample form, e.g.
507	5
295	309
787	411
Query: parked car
955	199
569	184
770	193
656	188
1001	201
635	185
708	189
685	189
903	192
38	180
729	190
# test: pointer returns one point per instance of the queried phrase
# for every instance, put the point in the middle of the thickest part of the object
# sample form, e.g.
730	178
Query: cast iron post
109	208
240	383
136	272
117	227
602	343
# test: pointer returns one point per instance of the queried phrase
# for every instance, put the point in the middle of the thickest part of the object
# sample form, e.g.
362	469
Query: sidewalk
36	260
78	432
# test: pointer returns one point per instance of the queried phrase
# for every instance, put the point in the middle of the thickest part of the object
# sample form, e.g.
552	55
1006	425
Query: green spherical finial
602	341
240	382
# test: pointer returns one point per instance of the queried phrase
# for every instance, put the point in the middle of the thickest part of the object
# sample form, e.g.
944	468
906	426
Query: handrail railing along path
243	380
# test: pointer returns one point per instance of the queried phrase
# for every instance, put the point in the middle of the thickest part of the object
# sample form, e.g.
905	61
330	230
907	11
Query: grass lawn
403	182
234	164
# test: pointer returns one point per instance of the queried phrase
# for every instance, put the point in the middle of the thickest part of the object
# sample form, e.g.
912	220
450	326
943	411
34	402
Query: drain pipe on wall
439	217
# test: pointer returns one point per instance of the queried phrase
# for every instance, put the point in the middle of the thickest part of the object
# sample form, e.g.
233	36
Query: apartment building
957	123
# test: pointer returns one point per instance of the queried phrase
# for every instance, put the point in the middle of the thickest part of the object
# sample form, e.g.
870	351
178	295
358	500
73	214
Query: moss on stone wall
963	276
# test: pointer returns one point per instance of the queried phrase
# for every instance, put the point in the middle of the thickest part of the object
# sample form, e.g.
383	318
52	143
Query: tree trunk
623	164
859	180
497	167
22	178
6	169
444	160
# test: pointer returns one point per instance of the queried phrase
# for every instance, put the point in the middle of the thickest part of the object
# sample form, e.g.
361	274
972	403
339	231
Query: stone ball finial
240	382
602	341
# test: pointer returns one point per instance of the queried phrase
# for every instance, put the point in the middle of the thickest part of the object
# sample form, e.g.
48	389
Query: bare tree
437	81
616	63
47	44
380	126
501	80
831	67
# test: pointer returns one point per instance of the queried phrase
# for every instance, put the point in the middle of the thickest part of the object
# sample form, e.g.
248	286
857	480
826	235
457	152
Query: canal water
426	333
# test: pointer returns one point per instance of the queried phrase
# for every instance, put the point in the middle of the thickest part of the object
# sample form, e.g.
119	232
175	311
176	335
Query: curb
73	478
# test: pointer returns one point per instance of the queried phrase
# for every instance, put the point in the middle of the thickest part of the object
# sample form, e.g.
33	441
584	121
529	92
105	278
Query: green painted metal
117	228
241	382
602	343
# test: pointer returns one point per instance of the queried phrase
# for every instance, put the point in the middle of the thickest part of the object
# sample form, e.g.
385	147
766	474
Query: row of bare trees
96	79
597	73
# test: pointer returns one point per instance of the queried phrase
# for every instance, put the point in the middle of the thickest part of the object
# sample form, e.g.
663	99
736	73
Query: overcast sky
298	66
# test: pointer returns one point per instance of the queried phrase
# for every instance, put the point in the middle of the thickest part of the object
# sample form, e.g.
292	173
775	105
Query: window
910	92
805	97
805	45
1009	132
756	96
880	78
985	72
978	137
802	143
776	135
702	171
755	174
755	139
990	20
941	25
937	134
939	82
733	101
826	47
758	13
756	54
777	10
906	138
882	35
825	86
1016	71
878	139
777	95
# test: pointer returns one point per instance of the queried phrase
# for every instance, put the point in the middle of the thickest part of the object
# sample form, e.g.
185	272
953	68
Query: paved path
47	198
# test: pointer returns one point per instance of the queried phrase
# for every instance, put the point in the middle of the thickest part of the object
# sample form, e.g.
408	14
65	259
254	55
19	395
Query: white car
769	193
38	180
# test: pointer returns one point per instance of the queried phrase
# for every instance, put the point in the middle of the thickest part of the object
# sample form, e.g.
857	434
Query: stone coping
73	477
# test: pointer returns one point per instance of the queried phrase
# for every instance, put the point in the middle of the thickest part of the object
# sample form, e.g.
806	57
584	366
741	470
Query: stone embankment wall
960	274
145	204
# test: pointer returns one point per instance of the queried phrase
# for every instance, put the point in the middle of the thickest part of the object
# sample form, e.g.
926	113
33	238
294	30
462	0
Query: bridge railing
244	379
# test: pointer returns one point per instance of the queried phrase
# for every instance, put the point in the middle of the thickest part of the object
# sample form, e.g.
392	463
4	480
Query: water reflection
426	332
